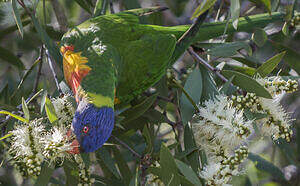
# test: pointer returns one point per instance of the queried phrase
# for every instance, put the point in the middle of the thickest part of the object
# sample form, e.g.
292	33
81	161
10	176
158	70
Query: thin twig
39	71
206	64
126	146
211	68
53	72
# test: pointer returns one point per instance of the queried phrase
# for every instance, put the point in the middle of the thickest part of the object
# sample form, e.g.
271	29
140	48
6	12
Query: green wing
144	63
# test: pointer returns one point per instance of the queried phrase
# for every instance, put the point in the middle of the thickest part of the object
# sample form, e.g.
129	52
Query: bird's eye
85	129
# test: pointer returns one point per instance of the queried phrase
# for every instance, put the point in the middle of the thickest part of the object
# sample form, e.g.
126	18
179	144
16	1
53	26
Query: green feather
130	56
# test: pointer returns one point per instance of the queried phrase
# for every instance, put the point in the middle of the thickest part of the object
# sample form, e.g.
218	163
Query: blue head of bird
92	126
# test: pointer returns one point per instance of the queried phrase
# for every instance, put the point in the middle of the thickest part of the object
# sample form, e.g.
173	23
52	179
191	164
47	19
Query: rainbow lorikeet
111	59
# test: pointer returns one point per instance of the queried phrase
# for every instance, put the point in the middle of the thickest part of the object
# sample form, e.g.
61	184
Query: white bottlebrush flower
277	123
215	174
277	86
220	123
26	138
84	172
56	145
64	109
25	150
220	173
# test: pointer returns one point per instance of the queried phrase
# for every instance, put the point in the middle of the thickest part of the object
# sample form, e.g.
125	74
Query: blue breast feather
98	121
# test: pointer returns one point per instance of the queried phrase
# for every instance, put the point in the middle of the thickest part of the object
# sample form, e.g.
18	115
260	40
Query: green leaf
44	178
285	29
5	31
9	57
71	172
25	109
184	181
135	178
268	66
169	170
242	69
291	57
247	60
43	101
100	8
235	12
6	136
131	4
188	172
122	165
229	49
228	88
84	5
208	82
205	5
24	77
148	139
50	110
287	150
193	86
267	4
17	17
264	165
138	110
14	116
259	37
50	45
189	143
104	154
247	83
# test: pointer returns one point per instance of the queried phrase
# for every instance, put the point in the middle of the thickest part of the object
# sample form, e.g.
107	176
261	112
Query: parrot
111	59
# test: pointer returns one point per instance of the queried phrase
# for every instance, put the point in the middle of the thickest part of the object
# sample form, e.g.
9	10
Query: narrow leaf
50	110
264	165
14	116
235	12
247	83
291	57
53	49
228	88
229	49
84	5
122	165
138	110
25	76
205	5
45	175
268	66
285	29
189	143
9	57
10	29
71	172
17	17
100	8
169	169
208	82
259	37
25	109
104	154
6	136
188	172
267	4
148	139
193	86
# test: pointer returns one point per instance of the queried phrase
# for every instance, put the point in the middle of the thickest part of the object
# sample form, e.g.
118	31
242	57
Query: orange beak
75	144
